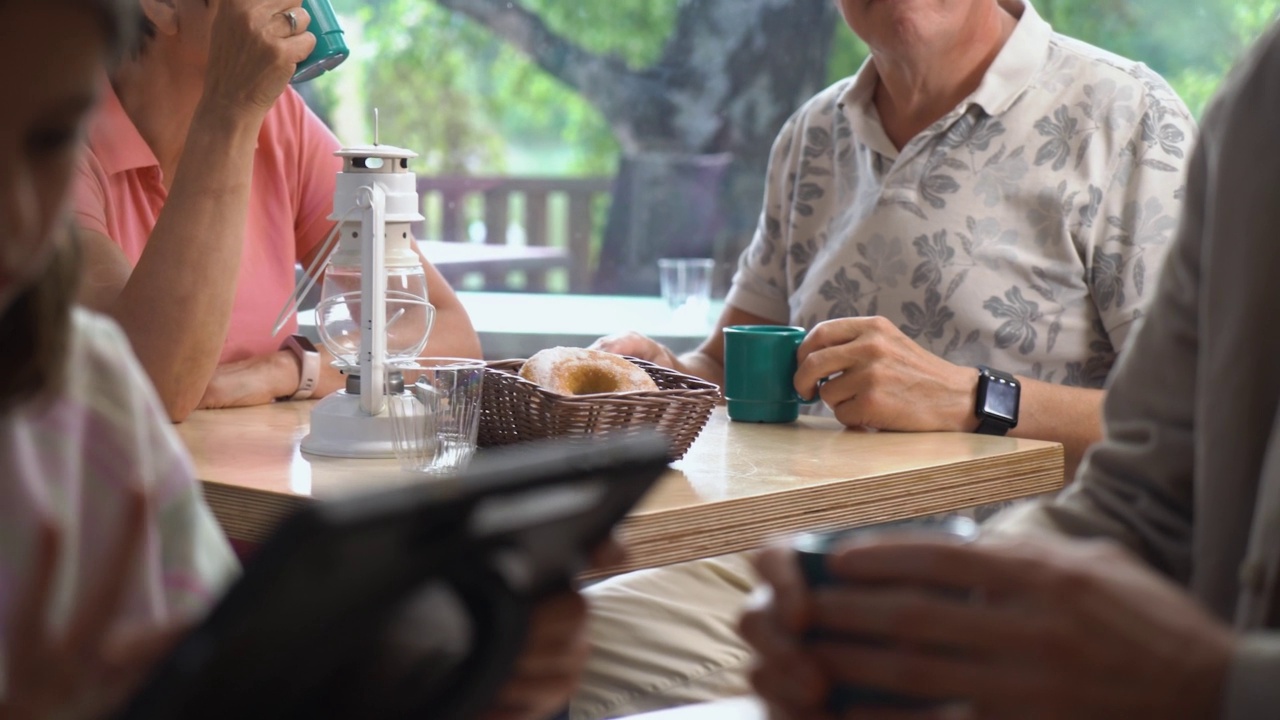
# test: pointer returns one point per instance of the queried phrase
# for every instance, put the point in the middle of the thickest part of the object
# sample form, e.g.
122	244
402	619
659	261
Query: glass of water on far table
686	289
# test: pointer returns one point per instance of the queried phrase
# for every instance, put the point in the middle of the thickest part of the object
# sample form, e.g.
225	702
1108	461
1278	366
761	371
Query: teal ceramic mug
331	48
759	372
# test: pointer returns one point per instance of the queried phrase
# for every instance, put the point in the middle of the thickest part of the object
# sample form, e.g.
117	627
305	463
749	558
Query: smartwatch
308	360
997	405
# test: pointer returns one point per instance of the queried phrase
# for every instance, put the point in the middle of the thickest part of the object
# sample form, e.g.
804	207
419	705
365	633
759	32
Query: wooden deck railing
452	203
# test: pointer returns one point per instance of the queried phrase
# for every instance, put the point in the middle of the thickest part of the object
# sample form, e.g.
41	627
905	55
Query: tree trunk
731	74
664	205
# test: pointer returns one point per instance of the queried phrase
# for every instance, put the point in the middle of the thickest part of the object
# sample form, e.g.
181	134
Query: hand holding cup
254	49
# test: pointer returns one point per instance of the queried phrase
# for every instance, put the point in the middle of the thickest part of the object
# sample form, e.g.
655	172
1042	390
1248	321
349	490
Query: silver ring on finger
292	17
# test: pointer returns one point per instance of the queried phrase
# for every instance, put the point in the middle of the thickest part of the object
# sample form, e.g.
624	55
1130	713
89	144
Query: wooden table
739	485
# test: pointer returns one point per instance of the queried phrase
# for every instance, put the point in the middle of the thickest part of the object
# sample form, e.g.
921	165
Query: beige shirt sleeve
1129	223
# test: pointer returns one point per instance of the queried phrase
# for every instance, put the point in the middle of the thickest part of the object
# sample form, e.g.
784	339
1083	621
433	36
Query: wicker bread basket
515	410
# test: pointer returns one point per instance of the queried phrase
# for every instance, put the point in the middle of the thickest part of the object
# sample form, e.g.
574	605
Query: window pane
617	132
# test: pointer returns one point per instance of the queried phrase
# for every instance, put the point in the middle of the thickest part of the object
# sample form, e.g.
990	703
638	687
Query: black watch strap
991	426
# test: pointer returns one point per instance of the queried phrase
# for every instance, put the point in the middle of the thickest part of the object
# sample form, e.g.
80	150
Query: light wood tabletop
739	486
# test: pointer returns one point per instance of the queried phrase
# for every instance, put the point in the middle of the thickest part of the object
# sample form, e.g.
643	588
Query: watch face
1001	399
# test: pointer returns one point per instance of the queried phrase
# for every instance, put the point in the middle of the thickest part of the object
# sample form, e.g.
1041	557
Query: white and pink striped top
71	457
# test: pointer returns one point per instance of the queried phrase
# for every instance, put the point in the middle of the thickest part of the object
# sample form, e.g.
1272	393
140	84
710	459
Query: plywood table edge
650	544
249	514
973	473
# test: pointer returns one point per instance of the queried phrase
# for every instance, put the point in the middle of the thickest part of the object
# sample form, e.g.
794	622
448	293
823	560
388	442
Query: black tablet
408	602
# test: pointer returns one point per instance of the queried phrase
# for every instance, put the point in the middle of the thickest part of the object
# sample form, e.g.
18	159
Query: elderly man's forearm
700	364
1068	415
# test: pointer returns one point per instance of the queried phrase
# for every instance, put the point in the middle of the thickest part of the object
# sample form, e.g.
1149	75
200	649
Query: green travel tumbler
330	50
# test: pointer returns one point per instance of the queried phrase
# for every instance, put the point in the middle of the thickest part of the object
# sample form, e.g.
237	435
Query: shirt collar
857	103
1022	56
115	140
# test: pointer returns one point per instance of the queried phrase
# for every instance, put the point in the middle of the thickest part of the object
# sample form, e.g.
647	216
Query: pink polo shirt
120	192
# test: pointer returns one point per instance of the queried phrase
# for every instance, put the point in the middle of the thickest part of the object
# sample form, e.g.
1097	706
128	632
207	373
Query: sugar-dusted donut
574	371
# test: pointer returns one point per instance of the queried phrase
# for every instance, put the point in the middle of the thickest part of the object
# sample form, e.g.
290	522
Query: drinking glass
686	287
436	418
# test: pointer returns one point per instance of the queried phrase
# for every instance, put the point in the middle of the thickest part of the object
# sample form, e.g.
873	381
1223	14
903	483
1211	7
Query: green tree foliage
847	54
1192	43
547	113
470	103
417	64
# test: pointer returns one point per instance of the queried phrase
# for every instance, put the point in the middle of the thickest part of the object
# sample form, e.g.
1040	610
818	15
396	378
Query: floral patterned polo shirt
1023	230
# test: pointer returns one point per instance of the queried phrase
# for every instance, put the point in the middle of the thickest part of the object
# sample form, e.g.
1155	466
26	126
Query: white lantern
374	308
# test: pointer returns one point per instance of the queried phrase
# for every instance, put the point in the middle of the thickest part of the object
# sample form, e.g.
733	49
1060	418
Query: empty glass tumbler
437	416
686	288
